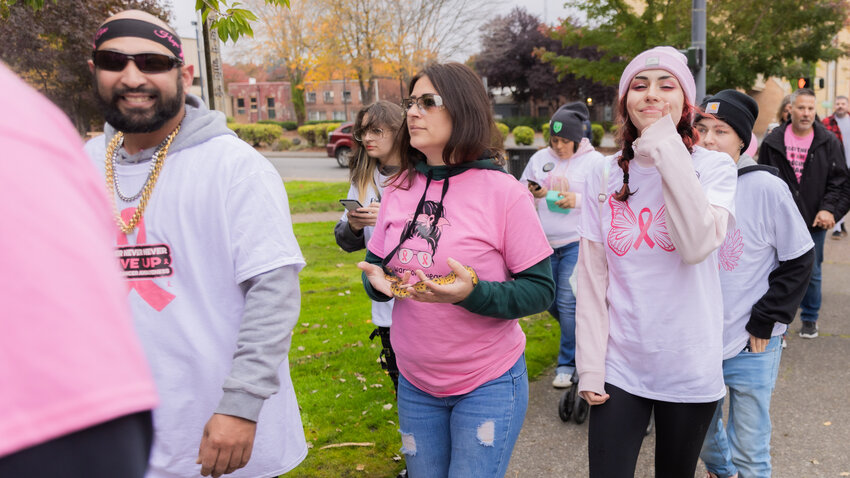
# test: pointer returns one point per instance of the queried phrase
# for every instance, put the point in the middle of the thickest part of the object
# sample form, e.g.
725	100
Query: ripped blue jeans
463	436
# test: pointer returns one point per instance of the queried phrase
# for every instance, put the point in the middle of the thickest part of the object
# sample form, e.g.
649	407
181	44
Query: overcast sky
548	10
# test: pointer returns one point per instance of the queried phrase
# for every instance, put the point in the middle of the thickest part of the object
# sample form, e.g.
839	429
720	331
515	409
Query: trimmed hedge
598	132
317	133
545	129
282	144
257	134
503	130
287	125
532	122
523	135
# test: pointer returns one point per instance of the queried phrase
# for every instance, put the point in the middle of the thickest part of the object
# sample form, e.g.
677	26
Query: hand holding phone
350	204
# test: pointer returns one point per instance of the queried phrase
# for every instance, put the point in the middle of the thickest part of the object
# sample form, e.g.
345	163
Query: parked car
341	144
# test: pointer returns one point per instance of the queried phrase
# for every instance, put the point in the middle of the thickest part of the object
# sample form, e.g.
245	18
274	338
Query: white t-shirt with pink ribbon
218	216
488	222
665	316
768	229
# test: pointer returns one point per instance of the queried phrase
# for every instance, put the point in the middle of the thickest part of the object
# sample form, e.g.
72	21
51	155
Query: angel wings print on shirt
629	231
730	251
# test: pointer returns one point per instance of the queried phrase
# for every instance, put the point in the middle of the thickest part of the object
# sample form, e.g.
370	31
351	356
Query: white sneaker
562	380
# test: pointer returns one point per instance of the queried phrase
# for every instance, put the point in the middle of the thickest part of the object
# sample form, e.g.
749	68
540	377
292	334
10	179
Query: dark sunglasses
145	62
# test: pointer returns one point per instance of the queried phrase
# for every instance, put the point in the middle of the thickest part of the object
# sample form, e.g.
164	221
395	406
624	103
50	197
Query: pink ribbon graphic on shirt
154	295
644	229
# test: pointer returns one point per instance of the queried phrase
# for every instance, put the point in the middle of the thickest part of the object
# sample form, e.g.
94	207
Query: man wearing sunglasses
206	245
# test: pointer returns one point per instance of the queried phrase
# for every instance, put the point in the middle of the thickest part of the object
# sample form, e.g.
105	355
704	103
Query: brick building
335	100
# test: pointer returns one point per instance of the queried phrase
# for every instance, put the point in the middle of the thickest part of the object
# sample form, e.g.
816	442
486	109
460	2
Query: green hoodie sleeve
531	291
370	291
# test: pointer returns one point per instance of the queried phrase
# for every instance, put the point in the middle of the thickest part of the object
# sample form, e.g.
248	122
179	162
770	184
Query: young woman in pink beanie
649	311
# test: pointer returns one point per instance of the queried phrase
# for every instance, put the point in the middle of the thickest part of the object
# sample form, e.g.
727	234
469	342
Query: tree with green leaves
49	47
744	39
231	21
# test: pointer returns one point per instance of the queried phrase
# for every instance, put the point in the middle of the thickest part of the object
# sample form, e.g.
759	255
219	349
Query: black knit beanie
567	123
734	108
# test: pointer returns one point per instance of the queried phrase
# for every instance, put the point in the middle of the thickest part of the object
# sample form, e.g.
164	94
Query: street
306	165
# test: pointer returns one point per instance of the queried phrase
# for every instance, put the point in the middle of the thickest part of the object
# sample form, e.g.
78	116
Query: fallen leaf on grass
361	467
301	348
376	385
348	443
396	458
388	406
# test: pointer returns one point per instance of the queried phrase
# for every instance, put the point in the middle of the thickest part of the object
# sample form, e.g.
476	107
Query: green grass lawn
311	196
345	396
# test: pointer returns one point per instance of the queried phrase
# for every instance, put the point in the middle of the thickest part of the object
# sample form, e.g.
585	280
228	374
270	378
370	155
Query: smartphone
350	204
535	184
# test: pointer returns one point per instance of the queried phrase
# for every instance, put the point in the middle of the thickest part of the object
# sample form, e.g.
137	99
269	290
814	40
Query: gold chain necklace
159	160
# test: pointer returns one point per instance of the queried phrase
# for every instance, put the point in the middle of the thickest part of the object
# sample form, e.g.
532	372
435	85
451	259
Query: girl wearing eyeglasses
649	317
459	246
374	162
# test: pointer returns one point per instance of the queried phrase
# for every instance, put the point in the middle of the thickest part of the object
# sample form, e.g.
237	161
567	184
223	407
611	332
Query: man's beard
139	121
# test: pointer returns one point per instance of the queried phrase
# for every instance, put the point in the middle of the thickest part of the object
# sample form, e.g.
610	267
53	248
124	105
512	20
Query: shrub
614	128
308	132
545	129
532	122
523	135
282	144
598	133
288	125
608	125
230	119
257	134
503	130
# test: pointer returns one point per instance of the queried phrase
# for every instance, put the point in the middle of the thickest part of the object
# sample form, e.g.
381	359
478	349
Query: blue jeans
811	301
463	436
564	308
744	444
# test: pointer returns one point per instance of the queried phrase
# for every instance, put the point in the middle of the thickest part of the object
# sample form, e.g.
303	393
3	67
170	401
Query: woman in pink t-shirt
649	310
458	244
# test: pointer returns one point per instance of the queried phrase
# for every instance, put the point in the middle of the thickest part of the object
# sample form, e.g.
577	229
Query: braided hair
628	134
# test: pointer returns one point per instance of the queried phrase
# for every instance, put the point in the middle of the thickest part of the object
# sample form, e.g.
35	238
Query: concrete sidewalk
810	409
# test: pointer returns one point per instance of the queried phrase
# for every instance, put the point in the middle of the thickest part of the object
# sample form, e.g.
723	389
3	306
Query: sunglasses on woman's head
146	62
426	102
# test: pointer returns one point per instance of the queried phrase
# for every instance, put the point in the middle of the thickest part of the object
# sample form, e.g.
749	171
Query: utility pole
212	58
698	44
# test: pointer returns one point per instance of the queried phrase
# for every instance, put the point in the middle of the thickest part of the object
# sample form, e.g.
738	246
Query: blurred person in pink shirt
76	390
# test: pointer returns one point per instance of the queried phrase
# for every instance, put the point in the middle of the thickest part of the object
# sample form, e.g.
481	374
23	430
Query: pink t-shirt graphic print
630	231
796	150
730	251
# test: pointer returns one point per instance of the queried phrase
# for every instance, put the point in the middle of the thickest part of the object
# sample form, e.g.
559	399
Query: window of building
315	115
329	97
311	97
543	111
339	115
270	107
240	106
253	104
346	97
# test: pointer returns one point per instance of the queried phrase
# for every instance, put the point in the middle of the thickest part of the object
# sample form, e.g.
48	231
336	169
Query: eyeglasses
376	133
146	62
426	102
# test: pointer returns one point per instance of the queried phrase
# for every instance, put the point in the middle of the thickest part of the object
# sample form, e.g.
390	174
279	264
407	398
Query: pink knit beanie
661	58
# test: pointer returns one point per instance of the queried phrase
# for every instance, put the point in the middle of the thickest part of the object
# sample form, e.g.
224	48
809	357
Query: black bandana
129	27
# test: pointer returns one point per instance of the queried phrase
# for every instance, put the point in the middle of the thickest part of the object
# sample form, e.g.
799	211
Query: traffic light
804	83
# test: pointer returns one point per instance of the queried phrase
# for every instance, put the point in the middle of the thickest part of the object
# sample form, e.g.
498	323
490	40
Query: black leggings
119	447
618	426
